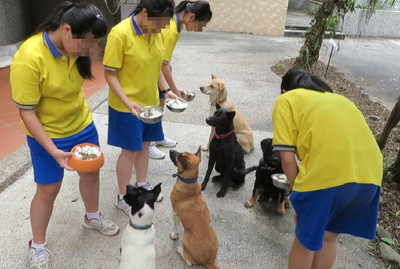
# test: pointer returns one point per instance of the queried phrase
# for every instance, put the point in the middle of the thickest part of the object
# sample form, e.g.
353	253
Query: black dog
225	152
268	165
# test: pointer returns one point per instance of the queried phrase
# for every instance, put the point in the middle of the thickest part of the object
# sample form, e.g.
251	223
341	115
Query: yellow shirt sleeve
24	81
114	51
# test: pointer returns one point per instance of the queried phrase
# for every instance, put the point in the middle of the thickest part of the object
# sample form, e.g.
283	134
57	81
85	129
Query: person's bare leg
41	209
300	257
141	163
324	258
124	168
89	186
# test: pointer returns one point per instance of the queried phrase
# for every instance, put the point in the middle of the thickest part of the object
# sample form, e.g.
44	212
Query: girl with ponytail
132	62
194	16
46	79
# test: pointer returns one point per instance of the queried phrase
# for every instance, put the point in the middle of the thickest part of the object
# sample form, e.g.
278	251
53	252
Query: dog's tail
245	171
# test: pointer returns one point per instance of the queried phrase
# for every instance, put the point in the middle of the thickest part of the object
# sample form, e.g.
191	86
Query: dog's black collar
192	180
137	227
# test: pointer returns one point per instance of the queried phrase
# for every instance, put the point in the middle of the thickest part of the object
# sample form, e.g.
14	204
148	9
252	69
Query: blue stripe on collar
192	180
178	22
135	26
137	227
54	51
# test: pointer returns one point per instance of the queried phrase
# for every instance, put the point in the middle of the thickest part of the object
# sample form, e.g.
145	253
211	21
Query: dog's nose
201	88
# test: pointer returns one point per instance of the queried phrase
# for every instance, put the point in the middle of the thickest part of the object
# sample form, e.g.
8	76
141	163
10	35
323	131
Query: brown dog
199	240
218	94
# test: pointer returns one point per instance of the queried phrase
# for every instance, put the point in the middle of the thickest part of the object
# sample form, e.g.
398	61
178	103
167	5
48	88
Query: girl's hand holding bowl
86	157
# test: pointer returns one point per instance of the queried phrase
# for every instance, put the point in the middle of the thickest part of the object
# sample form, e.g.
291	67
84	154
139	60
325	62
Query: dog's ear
222	88
183	163
213	76
132	190
131	194
198	153
232	114
266	144
217	106
156	191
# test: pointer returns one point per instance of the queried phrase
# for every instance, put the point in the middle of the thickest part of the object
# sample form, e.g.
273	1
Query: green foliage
378	4
313	11
332	23
392	243
387	162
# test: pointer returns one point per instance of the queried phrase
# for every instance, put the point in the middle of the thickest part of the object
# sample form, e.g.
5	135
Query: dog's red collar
222	136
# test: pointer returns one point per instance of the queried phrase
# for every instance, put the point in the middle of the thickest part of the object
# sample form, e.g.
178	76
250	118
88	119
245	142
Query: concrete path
249	238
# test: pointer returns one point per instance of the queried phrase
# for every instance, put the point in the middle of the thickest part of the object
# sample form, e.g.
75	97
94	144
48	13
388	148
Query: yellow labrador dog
199	240
218	94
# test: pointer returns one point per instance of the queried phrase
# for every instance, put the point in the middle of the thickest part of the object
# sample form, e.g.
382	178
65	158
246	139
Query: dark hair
82	19
156	8
299	78
200	9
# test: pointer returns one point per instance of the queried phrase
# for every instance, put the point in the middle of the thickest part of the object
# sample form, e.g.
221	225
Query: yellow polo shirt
170	36
330	137
43	79
137	62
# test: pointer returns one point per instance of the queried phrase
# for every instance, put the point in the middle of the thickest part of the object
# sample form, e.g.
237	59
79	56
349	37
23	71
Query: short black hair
299	78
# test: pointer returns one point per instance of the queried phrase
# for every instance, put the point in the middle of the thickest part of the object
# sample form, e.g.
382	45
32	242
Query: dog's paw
174	236
221	193
204	148
179	249
216	178
248	204
280	212
287	205
236	186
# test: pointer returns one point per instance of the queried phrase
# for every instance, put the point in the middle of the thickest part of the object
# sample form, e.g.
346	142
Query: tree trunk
393	172
309	53
390	123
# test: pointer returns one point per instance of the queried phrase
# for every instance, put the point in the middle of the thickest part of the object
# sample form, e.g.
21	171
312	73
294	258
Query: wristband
165	91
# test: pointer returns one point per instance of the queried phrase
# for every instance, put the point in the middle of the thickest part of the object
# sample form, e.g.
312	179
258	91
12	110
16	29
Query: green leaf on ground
388	241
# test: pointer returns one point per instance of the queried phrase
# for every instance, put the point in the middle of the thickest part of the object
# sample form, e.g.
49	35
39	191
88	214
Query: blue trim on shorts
128	132
351	208
46	170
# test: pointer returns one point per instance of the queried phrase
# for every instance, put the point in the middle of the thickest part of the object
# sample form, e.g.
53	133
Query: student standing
337	182
132	62
194	16
46	79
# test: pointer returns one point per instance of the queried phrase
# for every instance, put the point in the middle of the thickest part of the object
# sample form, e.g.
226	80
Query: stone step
300	33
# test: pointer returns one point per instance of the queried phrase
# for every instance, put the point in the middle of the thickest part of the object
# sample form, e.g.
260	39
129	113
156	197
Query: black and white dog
137	242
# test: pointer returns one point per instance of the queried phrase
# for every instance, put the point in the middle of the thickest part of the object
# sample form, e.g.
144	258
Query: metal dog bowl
151	114
176	105
188	95
280	181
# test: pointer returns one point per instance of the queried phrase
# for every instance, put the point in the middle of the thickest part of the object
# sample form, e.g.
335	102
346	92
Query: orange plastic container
86	165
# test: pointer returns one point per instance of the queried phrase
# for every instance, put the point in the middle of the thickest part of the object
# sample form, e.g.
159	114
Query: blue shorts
128	132
351	208
46	170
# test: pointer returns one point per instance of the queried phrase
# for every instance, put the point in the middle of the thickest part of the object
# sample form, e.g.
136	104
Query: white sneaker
121	204
39	258
154	152
102	225
148	187
168	143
